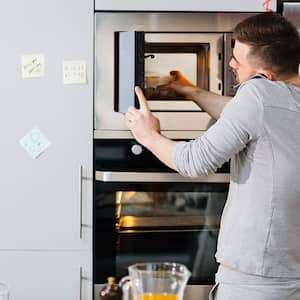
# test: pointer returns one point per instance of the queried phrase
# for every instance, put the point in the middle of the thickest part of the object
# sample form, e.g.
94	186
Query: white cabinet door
43	201
188	5
59	275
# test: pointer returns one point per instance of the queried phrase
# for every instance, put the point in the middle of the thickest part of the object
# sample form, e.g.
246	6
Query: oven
144	212
138	48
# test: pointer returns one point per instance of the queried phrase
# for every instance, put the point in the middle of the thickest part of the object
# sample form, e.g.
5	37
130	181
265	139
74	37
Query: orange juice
150	296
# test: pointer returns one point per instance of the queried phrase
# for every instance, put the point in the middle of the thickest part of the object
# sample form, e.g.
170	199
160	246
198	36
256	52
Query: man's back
260	225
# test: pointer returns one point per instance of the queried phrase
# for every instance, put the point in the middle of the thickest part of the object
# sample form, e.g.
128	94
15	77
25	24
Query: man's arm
212	103
203	155
162	148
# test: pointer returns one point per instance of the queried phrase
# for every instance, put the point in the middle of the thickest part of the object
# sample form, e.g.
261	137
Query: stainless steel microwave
136	48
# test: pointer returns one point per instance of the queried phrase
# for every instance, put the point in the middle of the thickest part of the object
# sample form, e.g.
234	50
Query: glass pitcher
155	281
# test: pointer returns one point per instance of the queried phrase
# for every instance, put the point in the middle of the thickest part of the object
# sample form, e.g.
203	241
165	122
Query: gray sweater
259	130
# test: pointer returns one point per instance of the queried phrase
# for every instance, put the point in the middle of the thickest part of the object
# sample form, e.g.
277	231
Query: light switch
35	143
33	65
74	72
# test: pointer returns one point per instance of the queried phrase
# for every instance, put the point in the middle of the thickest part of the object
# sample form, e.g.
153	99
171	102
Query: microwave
141	48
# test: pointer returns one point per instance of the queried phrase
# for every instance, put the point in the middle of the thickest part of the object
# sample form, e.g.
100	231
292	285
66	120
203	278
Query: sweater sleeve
240	122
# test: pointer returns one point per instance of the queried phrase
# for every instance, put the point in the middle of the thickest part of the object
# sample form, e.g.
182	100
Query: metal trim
126	134
161	222
80	200
157	177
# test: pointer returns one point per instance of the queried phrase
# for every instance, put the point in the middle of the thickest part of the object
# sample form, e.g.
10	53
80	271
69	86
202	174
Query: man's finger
132	109
128	124
142	99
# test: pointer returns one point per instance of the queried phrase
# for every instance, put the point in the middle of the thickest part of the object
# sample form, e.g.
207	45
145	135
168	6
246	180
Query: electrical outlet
74	72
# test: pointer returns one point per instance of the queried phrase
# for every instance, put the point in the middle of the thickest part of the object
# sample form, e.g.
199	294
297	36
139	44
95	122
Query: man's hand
179	78
146	130
178	87
141	121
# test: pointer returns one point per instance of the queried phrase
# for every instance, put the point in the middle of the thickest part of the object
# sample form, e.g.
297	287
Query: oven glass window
136	209
142	222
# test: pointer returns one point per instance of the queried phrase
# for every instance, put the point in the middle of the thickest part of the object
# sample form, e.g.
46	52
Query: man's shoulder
268	92
257	81
262	87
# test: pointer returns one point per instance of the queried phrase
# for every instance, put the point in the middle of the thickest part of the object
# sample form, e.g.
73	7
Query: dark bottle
111	291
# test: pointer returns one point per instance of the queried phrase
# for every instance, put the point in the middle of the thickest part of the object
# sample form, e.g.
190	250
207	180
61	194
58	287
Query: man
259	130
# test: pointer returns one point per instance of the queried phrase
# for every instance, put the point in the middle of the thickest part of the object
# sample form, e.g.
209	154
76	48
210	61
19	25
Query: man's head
265	43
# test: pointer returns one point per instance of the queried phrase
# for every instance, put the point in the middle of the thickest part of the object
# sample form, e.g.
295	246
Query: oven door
142	217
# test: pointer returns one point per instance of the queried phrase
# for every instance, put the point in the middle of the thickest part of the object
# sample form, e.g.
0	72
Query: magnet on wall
33	65
35	143
74	72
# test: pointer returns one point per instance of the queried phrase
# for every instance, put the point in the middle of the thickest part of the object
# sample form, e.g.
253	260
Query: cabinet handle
80	200
80	283
83	293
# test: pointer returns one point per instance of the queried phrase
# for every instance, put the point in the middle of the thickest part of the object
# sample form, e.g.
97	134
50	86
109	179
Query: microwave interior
152	60
190	59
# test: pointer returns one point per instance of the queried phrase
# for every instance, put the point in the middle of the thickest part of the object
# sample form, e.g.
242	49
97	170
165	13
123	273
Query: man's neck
292	79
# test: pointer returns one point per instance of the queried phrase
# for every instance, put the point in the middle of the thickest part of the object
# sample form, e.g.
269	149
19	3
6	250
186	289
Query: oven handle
132	231
157	177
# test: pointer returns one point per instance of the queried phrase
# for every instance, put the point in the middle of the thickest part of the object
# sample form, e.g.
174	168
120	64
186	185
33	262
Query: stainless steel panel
125	134
174	105
157	177
228	72
291	11
126	69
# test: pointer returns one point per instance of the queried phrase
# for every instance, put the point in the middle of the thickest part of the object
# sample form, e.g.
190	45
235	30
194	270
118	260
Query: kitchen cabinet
47	212
35	275
46	200
188	5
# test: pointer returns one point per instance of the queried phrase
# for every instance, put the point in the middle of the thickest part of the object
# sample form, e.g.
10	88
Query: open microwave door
129	68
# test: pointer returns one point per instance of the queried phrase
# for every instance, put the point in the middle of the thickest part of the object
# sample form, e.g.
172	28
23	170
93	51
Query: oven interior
142	222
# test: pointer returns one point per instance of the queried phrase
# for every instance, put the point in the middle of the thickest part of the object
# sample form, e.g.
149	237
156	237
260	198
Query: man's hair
274	42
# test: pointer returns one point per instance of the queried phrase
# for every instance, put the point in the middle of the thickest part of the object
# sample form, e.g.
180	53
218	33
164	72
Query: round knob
136	149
